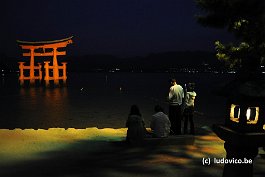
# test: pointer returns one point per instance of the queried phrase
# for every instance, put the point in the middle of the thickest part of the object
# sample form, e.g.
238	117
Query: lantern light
248	114
252	114
235	113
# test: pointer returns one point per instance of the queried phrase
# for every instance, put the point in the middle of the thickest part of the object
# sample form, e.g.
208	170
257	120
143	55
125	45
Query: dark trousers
188	117
174	115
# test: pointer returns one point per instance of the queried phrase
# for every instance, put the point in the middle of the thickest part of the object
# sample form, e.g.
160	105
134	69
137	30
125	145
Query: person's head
135	110
173	81
158	108
190	87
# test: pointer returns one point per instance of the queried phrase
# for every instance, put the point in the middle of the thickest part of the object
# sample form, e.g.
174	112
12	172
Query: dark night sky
116	27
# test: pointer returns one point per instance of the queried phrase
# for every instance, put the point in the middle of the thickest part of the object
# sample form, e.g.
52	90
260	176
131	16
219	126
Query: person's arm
171	93
193	95
183	93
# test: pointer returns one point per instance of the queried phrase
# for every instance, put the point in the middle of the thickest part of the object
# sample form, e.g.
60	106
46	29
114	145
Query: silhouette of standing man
175	97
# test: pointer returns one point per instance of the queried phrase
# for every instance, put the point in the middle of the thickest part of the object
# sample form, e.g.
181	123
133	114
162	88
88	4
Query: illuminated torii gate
41	49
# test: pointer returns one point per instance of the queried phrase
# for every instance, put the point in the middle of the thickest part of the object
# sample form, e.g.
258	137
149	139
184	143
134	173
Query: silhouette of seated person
136	127
160	123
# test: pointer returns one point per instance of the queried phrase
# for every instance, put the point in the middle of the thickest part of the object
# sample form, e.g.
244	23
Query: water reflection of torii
41	49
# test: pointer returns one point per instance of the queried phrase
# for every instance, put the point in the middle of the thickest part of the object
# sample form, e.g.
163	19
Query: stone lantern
244	127
246	112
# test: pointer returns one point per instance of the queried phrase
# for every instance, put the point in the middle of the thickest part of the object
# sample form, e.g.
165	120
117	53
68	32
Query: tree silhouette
246	20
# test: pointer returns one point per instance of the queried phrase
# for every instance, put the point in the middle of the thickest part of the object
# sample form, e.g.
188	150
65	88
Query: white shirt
190	97
160	124
176	94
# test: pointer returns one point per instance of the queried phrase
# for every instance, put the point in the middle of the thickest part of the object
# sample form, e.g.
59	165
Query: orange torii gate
41	49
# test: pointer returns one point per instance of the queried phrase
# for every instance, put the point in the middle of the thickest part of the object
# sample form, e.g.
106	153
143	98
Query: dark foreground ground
101	152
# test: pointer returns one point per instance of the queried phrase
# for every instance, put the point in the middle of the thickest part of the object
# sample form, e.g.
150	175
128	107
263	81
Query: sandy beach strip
93	152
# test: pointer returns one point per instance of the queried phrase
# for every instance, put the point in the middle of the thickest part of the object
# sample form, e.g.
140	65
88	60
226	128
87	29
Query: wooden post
46	77
55	67
31	70
64	72
40	72
21	73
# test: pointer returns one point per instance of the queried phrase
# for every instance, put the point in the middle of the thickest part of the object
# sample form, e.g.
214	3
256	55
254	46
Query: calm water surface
103	100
